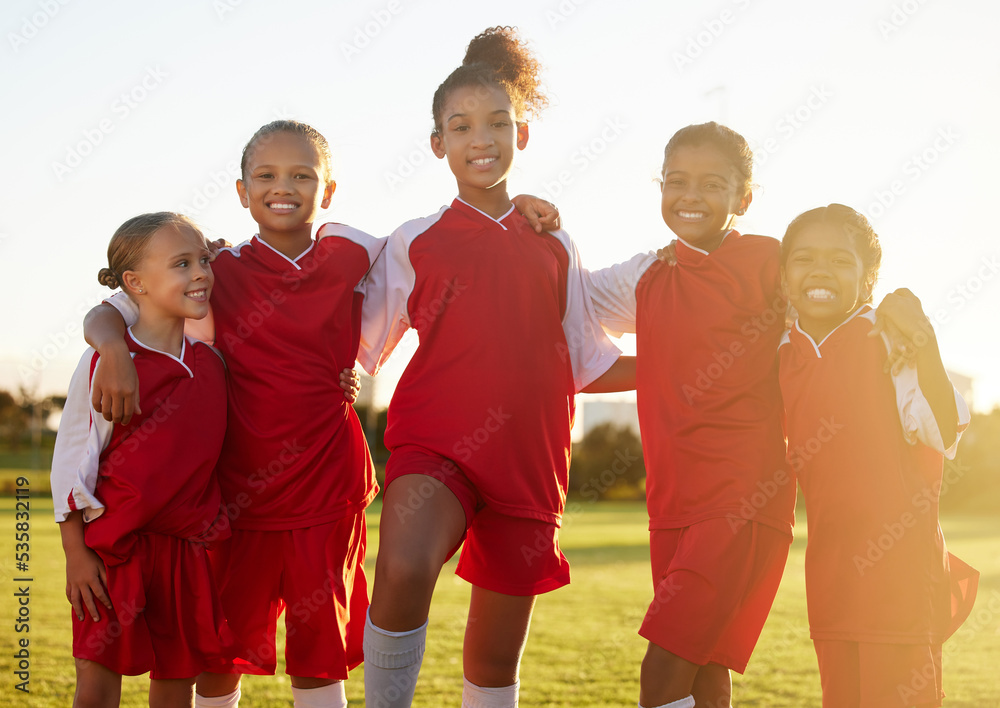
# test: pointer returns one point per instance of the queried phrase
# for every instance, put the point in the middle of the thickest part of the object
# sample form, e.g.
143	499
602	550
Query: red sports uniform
152	504
507	337
710	414
868	454
295	460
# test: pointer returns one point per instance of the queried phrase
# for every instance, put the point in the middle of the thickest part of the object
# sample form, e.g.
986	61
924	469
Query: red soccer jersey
156	474
295	454
507	336
876	565
707	332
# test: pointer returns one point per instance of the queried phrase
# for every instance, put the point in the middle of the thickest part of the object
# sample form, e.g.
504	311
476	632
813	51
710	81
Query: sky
118	108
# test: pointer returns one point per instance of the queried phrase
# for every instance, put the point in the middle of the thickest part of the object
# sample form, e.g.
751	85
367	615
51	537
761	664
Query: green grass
583	649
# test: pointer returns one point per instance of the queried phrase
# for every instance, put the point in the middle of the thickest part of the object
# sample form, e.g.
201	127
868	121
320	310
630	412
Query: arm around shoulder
115	388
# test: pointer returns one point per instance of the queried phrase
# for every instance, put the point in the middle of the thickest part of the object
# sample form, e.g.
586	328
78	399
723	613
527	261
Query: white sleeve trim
612	291
591	352
388	286
83	435
916	416
126	308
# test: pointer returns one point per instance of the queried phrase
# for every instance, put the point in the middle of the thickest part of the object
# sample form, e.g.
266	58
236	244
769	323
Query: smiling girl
479	424
882	590
719	498
138	503
295	471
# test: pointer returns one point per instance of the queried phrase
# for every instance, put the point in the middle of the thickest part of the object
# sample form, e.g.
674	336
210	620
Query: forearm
620	377
937	389
71	531
104	327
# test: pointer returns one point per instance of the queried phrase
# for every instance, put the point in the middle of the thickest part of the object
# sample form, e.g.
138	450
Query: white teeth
484	161
691	214
282	206
820	294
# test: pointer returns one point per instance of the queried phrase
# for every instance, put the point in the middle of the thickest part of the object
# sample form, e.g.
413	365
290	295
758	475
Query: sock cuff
687	702
230	700
331	696
474	696
394	650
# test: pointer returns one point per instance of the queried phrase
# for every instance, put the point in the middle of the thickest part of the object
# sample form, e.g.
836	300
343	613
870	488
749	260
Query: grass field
583	649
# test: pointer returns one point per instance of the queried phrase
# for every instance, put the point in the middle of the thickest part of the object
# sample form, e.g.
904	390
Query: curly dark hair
496	57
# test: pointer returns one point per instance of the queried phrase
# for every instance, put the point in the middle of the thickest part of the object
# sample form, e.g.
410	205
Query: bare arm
620	377
85	575
115	388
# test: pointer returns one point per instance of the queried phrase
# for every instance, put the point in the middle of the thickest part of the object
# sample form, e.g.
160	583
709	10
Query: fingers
100	589
351	383
74	599
88	600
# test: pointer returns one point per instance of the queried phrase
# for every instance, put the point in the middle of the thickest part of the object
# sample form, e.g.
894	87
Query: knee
90	696
406	572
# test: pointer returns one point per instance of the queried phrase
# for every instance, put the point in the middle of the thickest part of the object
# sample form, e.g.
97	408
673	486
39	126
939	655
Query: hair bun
107	277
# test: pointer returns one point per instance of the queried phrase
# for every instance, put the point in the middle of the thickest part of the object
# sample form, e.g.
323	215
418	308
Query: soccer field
583	649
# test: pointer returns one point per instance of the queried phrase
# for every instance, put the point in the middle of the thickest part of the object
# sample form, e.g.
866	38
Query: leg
414	542
96	686
217	685
495	637
713	687
665	677
171	693
422	521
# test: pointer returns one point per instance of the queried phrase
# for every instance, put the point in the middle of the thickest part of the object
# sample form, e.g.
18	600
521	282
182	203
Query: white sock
392	664
228	701
331	696
682	703
474	696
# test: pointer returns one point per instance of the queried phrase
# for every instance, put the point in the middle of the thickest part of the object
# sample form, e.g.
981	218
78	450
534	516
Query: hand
115	388
901	317
541	215
215	246
668	254
86	582
351	383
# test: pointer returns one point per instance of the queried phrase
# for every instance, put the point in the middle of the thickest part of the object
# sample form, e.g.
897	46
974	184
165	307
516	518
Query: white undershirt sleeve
388	286
612	290
591	352
916	416
83	435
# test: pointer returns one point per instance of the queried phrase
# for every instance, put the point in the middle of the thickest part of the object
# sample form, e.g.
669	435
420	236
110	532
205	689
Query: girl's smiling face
479	133
174	278
286	185
701	195
824	278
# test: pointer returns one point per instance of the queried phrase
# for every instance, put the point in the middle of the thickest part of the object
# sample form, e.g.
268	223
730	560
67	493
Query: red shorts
713	589
167	618
512	555
865	675
316	575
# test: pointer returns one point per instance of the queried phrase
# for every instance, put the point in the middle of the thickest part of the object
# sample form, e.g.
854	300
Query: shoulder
206	351
344	233
228	253
409	230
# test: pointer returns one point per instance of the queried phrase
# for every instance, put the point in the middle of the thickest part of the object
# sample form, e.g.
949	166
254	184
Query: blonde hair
129	243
